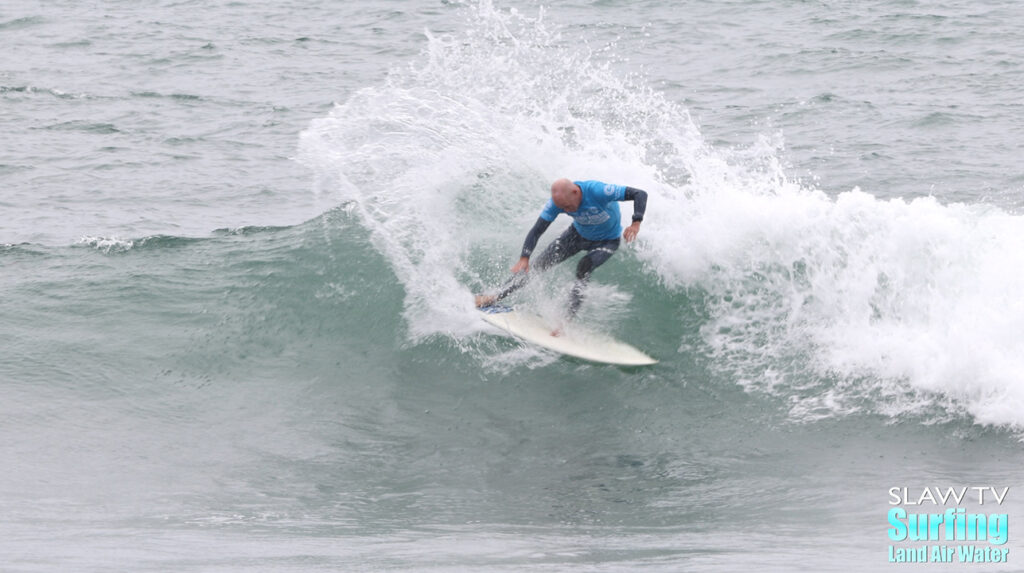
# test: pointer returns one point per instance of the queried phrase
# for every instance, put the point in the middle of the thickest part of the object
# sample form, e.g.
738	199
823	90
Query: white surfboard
577	342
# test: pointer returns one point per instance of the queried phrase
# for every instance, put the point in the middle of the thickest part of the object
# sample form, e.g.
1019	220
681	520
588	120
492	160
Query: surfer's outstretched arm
519	270
531	239
522	266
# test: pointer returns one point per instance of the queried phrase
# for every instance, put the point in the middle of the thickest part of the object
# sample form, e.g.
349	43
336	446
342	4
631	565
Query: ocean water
240	242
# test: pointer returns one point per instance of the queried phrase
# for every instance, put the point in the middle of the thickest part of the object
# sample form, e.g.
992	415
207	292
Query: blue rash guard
597	218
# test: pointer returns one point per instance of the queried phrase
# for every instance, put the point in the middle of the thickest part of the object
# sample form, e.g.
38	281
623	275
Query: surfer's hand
484	300
521	266
630	233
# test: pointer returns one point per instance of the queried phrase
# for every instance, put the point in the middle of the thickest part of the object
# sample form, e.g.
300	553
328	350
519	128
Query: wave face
208	367
838	303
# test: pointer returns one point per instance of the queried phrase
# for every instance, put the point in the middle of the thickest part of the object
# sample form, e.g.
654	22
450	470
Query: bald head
566	195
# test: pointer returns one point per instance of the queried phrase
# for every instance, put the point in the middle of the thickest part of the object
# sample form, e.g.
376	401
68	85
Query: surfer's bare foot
483	300
557	331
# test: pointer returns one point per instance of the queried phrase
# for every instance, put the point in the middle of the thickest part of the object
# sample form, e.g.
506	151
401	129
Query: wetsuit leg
598	252
566	245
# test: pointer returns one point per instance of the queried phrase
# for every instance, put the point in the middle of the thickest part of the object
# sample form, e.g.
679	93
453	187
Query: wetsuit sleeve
639	199
531	238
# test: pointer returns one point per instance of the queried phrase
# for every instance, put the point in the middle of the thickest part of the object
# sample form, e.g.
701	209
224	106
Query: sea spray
448	162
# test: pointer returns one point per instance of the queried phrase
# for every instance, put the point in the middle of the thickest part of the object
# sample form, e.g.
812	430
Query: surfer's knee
594	259
550	256
584	268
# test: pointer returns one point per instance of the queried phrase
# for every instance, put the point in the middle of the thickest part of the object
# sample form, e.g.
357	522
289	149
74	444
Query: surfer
596	228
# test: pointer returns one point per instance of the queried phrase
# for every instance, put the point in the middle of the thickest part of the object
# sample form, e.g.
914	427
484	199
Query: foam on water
855	303
849	303
837	303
